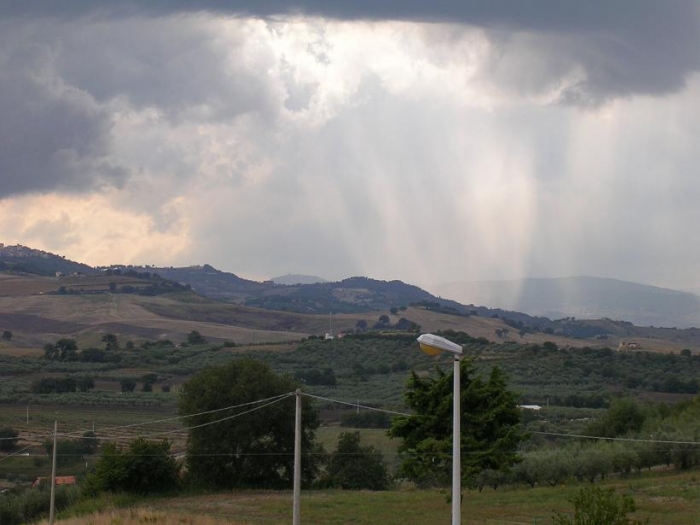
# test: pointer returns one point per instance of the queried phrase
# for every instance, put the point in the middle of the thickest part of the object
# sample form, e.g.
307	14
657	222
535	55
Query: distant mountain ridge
355	294
526	304
583	297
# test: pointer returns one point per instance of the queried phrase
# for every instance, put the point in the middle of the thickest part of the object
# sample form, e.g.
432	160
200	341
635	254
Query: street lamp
433	345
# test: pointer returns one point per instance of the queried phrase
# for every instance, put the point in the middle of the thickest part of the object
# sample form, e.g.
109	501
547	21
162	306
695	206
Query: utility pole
53	473
296	517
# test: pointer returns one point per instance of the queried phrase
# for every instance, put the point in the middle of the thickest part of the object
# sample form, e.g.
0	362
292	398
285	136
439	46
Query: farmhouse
60	480
624	346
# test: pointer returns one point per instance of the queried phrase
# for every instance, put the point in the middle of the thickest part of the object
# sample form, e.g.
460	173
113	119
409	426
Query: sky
429	142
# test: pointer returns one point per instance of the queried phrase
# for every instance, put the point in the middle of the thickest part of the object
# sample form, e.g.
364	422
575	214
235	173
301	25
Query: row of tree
240	419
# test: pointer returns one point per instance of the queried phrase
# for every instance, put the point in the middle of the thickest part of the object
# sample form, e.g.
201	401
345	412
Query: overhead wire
355	405
275	399
174	418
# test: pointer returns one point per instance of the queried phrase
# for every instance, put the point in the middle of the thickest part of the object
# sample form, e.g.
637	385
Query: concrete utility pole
53	474
296	517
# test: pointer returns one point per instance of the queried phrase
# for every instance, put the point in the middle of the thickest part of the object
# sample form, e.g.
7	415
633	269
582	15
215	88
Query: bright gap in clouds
423	152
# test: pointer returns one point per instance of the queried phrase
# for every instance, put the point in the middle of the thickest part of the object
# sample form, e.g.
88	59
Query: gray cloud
62	84
276	149
175	64
52	136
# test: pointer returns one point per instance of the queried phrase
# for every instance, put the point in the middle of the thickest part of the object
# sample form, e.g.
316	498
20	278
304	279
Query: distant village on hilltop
22	251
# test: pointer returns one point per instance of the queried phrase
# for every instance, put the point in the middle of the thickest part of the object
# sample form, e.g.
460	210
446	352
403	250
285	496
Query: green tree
85	383
69	451
147	467
599	506
625	416
233	448
66	349
490	422
195	338
356	467
90	442
8	438
111	342
50	352
148	382
127	384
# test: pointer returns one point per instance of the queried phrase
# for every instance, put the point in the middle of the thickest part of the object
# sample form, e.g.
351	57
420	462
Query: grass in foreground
145	515
664	497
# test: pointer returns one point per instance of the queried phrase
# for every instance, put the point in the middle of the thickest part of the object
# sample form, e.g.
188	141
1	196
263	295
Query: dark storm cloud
57	81
173	64
625	47
62	63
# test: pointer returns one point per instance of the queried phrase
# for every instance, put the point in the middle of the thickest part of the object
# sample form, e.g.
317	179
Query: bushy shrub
355	467
32	504
599	506
146	467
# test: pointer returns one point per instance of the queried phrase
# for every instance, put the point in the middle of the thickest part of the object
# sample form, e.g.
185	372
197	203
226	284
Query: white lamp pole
456	447
434	345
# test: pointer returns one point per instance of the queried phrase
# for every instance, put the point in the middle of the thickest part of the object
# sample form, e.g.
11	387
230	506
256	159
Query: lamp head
434	344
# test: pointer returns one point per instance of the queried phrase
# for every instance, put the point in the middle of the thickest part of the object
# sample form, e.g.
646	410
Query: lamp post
433	345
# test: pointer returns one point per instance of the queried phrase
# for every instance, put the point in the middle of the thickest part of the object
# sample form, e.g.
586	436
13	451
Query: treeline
589	462
628	438
54	385
67	350
590	377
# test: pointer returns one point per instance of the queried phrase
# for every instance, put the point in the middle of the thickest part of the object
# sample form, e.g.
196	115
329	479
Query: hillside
583	298
221	300
20	258
353	295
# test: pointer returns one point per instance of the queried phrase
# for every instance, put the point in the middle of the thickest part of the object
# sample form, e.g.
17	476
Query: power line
277	399
357	405
132	425
16	453
632	440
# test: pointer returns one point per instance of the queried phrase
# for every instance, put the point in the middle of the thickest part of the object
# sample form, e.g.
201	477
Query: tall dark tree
490	422
248	449
6	335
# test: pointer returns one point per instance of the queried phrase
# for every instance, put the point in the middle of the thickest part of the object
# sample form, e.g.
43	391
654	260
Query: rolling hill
41	302
583	298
